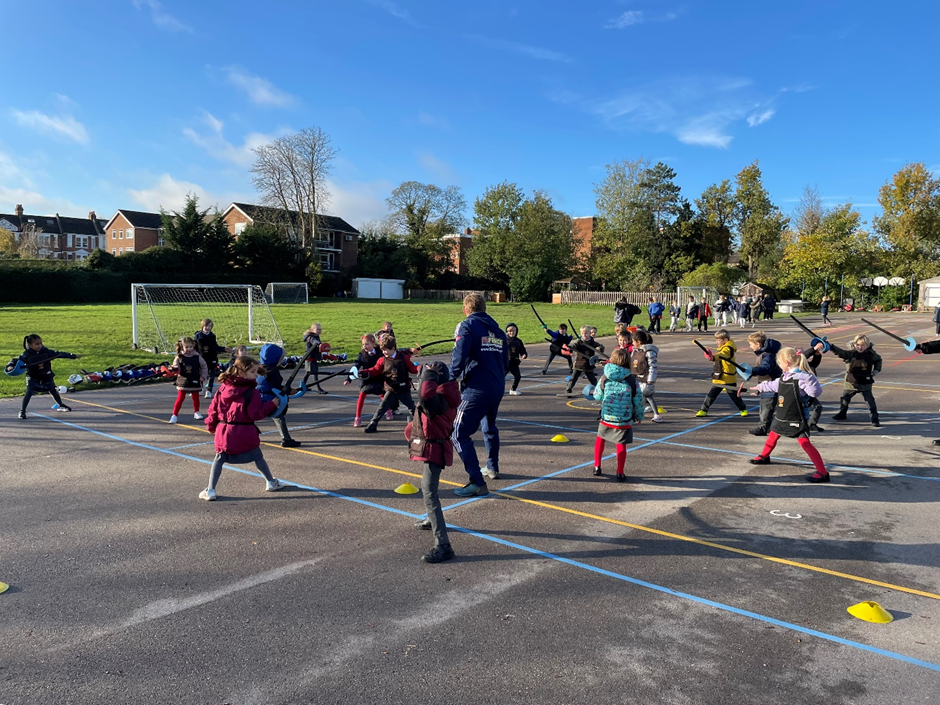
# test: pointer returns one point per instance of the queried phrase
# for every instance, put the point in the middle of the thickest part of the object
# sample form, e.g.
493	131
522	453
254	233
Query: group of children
251	390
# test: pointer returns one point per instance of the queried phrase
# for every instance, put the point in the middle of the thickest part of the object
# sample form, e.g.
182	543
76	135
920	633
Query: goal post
287	293
163	313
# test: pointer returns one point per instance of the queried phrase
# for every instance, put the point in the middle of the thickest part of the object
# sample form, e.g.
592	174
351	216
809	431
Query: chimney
92	216
19	210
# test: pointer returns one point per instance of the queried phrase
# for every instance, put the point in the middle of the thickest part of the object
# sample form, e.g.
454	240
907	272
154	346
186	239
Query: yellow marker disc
559	439
406	488
871	612
4	587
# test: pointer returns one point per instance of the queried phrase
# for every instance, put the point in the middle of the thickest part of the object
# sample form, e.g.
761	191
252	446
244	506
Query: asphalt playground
703	579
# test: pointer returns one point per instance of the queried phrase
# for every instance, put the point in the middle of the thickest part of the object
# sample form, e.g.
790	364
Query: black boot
372	427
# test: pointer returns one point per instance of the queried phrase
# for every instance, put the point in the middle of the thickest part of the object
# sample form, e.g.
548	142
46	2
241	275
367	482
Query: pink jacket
232	415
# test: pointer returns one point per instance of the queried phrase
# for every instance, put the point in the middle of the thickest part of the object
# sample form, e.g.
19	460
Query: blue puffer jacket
270	356
480	355
620	404
767	368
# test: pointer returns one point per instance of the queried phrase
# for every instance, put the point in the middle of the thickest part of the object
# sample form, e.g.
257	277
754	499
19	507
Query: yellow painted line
596	517
721	547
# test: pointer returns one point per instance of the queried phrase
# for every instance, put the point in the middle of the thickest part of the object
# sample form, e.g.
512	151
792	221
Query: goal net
286	293
709	293
164	313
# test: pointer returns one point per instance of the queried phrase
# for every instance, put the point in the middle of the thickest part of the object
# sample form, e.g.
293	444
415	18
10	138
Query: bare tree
809	213
29	241
291	175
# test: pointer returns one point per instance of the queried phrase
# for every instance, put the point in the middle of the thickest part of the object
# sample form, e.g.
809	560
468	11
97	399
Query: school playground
703	579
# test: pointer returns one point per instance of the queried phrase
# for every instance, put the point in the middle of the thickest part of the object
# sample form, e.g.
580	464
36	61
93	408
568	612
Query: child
766	370
742	311
558	340
209	348
862	363
270	382
691	313
656	314
756	308
622	407
368	357
232	416
386	329
793	388
312	355
429	441
39	375
192	375
517	353
724	374
625	340
394	368
704	311
237	352
675	313
619	328
584	350
813	358
645	364
824	312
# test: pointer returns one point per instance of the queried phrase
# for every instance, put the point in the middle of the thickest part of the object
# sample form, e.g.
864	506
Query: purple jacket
809	385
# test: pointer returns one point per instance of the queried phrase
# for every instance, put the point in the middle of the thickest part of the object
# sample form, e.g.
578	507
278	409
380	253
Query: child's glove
709	356
544	327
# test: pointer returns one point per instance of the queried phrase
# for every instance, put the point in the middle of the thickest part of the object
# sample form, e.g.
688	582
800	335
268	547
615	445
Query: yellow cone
871	612
660	410
559	439
4	587
407	488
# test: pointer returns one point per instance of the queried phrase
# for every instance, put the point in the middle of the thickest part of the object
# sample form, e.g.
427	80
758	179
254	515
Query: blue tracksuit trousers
477	410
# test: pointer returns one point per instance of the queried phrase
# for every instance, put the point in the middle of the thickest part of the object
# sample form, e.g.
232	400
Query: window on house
128	249
120	234
130	233
114	234
113	251
240	228
120	250
327	261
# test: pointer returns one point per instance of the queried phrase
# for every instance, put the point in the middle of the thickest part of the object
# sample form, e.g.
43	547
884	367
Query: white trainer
491	474
657	418
274	485
198	416
174	418
208	495
207	395
514	393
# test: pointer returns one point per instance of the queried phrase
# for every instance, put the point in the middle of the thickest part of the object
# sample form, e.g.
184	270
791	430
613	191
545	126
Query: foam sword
909	343
814	339
745	369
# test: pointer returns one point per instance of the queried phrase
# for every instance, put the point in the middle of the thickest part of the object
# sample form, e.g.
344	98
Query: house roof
139	219
262	213
56	224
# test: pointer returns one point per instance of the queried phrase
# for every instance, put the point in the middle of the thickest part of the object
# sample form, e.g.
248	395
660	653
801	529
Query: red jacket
232	415
437	409
380	369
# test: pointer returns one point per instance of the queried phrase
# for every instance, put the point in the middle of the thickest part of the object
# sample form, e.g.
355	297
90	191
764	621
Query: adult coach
479	360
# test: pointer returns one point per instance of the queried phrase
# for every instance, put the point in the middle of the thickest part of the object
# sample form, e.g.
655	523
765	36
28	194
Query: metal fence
637	298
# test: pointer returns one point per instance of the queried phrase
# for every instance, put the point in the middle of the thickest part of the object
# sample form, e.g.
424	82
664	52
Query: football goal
164	313
286	293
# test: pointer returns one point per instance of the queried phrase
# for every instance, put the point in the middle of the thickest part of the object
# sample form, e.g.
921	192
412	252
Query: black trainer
597	471
839	417
760	460
22	415
758	431
371	428
816	429
818	478
438	554
875	423
290	443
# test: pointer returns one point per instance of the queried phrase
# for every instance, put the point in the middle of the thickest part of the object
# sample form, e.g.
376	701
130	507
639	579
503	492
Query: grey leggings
430	482
252	456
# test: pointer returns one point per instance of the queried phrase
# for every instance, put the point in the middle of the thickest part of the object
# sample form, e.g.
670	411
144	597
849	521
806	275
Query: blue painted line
568	561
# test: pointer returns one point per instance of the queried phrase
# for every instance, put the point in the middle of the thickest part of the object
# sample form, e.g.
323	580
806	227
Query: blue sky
134	103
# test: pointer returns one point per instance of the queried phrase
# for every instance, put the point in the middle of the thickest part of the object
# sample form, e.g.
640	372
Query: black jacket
624	312
516	350
39	362
208	346
583	351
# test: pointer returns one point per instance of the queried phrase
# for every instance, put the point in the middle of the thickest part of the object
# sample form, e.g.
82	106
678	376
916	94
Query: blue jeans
477	410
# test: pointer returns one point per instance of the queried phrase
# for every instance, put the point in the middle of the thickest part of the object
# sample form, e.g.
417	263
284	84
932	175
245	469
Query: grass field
101	333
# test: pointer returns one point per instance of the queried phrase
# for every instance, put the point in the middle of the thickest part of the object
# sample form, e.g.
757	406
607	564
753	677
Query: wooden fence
443	294
638	298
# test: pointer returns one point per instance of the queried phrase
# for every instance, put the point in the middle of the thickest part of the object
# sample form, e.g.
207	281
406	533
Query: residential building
583	229
337	242
133	231
460	245
58	237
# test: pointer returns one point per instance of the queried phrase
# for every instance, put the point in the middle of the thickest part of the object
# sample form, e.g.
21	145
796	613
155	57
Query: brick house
460	245
59	237
133	231
582	229
337	242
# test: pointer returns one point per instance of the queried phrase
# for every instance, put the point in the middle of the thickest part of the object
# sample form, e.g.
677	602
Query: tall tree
759	222
292	174
716	214
30	241
910	220
660	193
546	248
423	214
206	239
496	242
809	212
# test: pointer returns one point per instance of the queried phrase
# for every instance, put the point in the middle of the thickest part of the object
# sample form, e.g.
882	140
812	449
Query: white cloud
55	125
260	90
533	52
435	166
215	144
760	118
161	18
699	111
358	202
434	121
631	17
35	203
170	194
394	10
